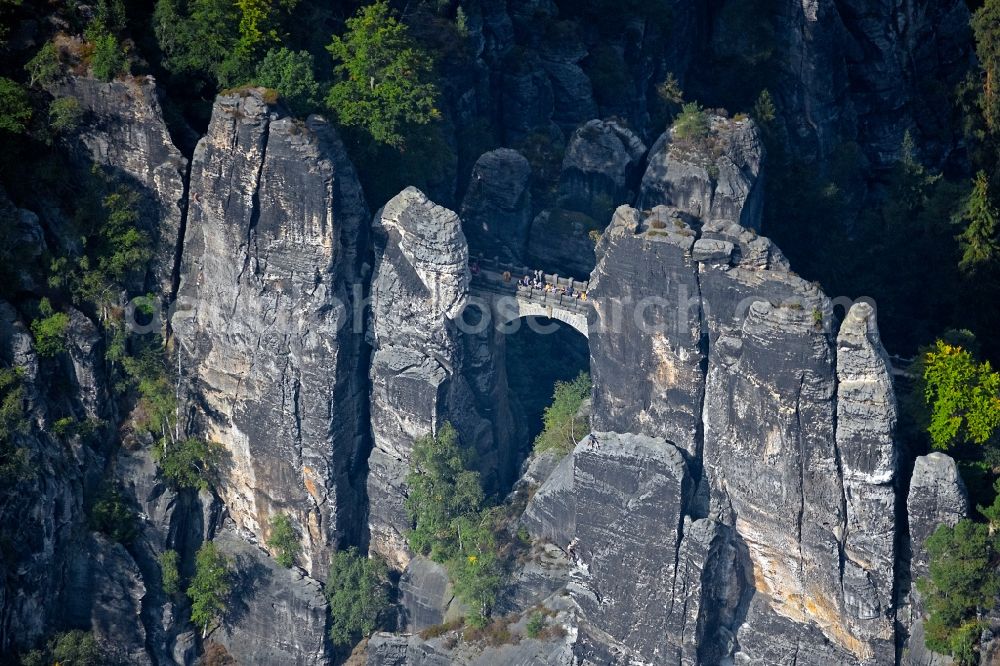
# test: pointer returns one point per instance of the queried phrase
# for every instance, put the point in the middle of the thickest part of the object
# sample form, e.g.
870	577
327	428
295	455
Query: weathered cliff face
704	337
496	210
275	615
424	370
124	130
717	179
267	337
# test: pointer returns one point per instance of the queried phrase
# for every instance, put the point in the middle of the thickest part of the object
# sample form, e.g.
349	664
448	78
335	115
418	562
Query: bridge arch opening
540	352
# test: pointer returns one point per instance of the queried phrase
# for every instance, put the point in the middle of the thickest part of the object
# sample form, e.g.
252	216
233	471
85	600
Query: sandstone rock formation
424	370
125	131
268	337
717	183
496	210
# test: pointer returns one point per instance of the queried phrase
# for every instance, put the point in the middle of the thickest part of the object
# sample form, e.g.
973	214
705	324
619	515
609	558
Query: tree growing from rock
357	590
451	525
210	587
562	428
284	539
384	84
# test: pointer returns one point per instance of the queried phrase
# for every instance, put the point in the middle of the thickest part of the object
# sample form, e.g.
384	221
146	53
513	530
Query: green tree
72	648
562	429
196	37
986	28
169	573
45	67
257	29
692	123
284	539
963	395
65	115
979	238
189	463
442	488
291	74
357	589
13	422
210	587
963	580
112	516
50	330
384	81
15	111
450	524
764	111
108	59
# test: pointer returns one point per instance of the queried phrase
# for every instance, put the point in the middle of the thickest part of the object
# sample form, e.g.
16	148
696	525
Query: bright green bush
963	395
210	587
291	74
562	429
357	590
108	59
284	539
692	123
384	81
170	576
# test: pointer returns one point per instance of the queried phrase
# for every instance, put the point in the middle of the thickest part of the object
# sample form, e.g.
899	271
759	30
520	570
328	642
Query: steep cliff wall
703	336
424	370
267	336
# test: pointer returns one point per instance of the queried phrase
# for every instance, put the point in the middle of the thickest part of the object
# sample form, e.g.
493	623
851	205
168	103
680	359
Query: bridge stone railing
490	277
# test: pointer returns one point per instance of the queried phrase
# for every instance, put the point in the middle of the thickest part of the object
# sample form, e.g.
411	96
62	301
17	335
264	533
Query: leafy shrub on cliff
357	589
108	59
188	463
962	394
284	539
65	115
451	524
692	123
963	581
210	587
76	648
384	81
170	576
562	428
291	74
49	330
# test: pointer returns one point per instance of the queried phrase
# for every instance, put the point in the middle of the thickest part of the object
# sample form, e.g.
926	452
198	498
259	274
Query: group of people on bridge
536	279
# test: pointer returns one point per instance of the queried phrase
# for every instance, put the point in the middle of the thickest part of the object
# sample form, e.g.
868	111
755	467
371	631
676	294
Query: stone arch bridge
498	284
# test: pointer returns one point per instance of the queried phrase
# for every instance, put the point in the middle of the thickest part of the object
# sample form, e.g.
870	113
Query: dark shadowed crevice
535	361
